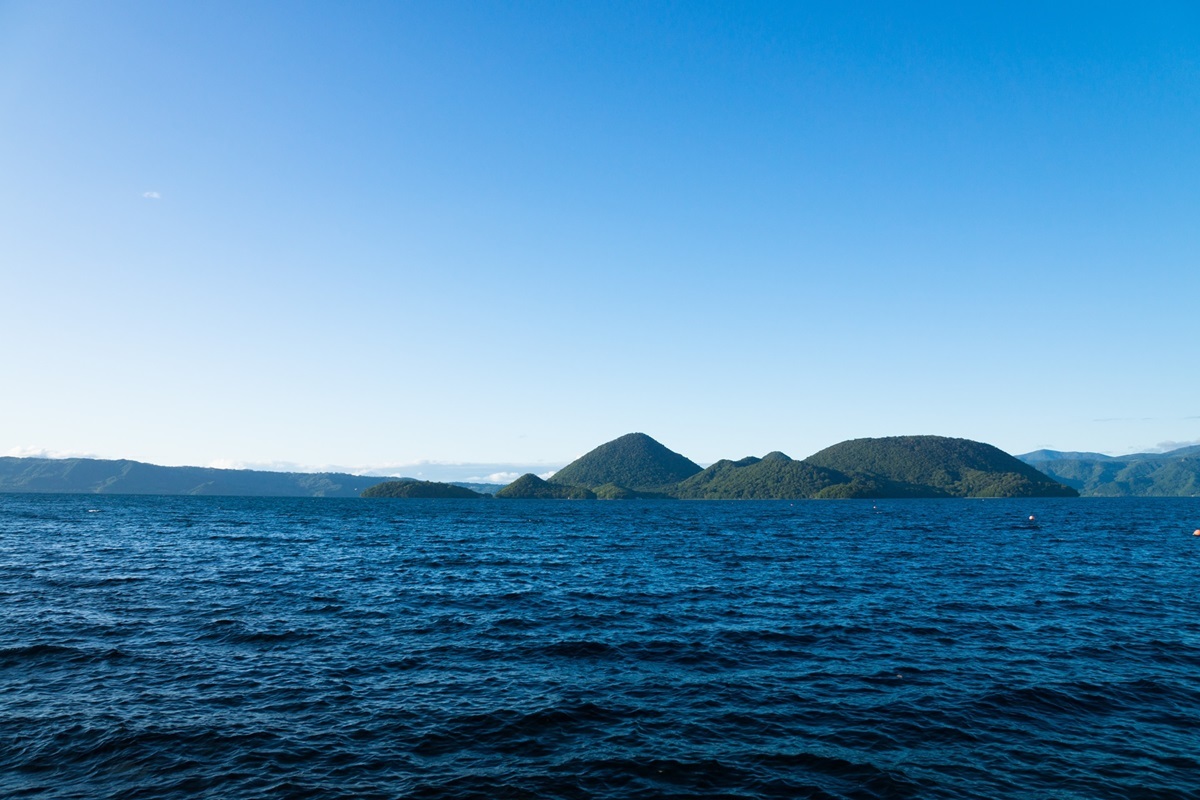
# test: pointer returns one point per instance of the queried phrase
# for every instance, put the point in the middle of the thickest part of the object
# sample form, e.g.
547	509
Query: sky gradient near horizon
372	234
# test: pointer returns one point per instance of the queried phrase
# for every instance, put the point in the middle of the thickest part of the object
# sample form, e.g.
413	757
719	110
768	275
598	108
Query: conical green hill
951	467
531	487
634	461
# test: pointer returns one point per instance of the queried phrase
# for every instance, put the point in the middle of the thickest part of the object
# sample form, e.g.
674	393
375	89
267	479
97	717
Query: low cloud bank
424	470
30	451
1166	447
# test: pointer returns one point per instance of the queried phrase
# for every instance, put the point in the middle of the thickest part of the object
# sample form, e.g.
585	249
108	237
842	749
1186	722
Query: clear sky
367	234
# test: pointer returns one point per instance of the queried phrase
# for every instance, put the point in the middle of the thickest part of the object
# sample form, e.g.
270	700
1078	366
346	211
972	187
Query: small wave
1152	651
234	632
579	648
117	580
508	730
770	637
44	654
681	652
237	537
851	777
366	613
331	608
515	623
1041	704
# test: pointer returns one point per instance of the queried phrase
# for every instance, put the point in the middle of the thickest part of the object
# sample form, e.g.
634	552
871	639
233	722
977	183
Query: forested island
426	490
637	466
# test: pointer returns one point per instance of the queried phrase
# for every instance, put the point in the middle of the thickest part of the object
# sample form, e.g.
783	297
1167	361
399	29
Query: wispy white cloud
152	195
1145	419
495	477
293	466
503	477
267	466
30	451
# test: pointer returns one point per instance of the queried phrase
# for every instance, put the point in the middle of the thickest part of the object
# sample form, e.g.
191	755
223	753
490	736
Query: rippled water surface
267	648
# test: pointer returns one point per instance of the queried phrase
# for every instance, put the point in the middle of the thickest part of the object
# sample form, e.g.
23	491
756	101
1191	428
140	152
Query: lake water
174	647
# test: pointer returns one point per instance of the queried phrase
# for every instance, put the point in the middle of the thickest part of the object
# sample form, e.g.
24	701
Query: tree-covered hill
421	490
773	477
531	487
634	461
940	465
1172	474
612	491
895	467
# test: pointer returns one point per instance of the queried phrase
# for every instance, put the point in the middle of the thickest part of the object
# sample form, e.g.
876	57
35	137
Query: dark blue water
268	648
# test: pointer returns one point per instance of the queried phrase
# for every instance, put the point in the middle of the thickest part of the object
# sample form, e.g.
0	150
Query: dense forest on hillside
894	467
634	462
773	476
1172	474
100	476
421	490
531	487
953	467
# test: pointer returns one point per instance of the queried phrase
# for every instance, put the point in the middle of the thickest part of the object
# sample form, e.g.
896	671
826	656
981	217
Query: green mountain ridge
1172	474
102	476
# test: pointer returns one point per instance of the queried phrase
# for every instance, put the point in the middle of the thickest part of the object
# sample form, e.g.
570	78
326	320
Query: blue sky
376	234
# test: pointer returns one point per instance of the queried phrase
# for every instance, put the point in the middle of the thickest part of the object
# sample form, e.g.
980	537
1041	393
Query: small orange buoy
1032	518
1196	532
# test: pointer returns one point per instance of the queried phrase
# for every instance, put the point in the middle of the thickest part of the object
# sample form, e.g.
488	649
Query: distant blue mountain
1042	456
1172	474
